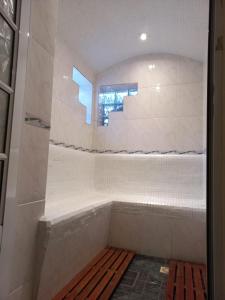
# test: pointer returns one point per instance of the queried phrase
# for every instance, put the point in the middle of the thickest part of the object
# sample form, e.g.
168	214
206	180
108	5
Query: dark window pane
1	174
4	107
9	6
6	50
111	99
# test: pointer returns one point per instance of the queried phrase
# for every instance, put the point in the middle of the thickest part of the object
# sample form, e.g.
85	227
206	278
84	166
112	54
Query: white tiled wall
167	113
169	233
79	179
163	177
68	119
70	174
29	149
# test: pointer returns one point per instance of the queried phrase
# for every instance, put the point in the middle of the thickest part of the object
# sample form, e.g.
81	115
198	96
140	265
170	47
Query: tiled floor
143	280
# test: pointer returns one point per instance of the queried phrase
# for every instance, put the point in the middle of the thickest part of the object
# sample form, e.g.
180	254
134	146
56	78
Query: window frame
130	86
14	24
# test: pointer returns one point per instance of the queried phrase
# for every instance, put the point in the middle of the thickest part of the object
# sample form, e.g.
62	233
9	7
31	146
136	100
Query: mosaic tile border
107	151
36	122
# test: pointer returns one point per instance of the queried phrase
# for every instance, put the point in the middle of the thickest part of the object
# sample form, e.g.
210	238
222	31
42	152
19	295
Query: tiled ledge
108	151
117	224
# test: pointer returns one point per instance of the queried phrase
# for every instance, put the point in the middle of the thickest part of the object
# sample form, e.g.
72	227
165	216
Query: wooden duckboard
99	278
186	281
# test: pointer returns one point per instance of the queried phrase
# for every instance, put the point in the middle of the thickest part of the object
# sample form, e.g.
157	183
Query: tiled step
187	281
99	278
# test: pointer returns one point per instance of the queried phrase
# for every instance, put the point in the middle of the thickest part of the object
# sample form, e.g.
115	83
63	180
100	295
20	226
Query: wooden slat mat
99	278
186	281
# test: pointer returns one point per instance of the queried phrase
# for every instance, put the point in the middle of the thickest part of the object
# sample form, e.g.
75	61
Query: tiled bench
68	243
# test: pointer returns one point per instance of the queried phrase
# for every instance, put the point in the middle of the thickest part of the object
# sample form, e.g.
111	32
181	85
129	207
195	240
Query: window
9	32
111	99
85	92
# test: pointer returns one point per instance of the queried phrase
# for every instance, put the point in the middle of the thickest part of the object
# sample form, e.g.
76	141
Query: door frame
9	89
215	155
209	176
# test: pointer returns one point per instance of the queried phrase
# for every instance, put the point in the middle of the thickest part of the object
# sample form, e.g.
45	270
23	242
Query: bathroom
112	153
127	150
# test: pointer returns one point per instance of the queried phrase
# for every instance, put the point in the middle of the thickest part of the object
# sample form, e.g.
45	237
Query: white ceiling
105	32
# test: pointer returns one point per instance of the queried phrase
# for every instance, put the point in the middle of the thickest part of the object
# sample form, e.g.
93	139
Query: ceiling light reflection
158	88
151	67
143	36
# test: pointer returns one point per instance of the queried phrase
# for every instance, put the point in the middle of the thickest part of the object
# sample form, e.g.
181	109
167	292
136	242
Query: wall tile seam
18	289
150	86
21	288
135	208
109	151
184	216
33	38
35	202
151	117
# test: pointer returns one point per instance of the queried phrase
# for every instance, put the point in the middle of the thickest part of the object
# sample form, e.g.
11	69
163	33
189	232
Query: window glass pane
9	6
85	92
6	50
107	98
132	92
120	96
111	99
1	175
4	107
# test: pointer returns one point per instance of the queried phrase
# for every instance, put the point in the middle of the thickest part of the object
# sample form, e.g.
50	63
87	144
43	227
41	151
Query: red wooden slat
198	284
82	284
204	275
79	276
189	282
180	282
119	261
200	295
197	278
101	286
97	278
171	281
116	279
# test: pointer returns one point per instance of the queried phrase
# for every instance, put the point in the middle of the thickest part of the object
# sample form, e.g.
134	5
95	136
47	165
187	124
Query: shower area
127	151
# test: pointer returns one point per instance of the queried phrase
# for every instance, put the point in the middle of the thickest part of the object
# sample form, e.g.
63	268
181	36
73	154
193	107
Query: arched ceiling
105	32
